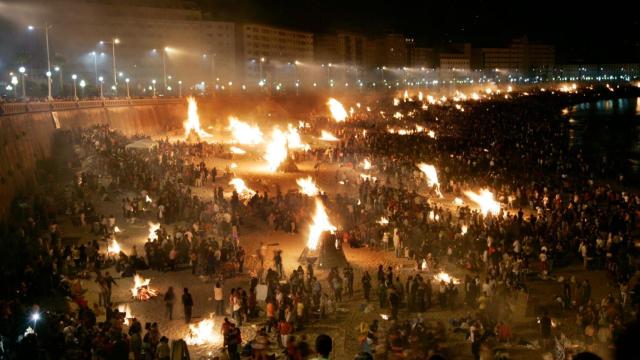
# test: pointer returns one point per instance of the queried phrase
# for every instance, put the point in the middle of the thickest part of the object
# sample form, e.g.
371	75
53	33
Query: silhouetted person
187	302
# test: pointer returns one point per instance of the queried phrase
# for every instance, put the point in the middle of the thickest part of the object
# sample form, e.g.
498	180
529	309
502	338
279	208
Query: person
545	330
324	345
366	285
233	339
169	299
163	352
187	302
218	297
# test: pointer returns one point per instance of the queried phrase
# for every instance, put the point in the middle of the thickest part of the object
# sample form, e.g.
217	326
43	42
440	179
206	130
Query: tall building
457	57
521	56
196	49
272	52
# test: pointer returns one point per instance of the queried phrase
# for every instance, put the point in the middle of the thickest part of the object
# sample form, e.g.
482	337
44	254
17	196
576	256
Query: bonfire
141	289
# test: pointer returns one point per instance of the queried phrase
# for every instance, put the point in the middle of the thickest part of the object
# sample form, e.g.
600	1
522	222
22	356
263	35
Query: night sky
582	31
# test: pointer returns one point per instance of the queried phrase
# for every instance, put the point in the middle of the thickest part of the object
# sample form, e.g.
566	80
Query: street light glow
30	27
35	316
82	83
22	69
101	79
116	41
74	76
48	73
126	80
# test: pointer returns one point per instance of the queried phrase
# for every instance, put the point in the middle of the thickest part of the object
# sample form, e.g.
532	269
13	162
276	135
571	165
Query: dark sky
585	30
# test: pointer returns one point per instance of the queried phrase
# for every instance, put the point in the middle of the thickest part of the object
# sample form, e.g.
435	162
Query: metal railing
63	105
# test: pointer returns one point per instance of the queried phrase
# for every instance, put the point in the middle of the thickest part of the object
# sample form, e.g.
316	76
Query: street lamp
21	70
113	43
46	28
95	64
35	317
164	66
154	87
82	85
74	77
179	88
127	81
101	80
59	71
14	82
262	60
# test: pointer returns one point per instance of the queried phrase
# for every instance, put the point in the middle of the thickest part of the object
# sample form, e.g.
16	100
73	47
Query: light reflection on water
607	127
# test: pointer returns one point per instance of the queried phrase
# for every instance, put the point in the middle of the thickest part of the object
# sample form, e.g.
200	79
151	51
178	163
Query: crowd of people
560	206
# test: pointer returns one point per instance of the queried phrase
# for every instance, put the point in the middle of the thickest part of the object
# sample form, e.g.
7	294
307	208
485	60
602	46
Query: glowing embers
141	289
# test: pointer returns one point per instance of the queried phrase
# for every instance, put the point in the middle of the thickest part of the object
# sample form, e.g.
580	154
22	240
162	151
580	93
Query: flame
383	221
431	100
398	115
368	177
192	124
432	176
327	136
432	134
320	224
366	164
463	229
244	133
458	202
475	96
153	227
113	248
147	199
396	101
237	150
294	141
423	264
485	201
443	276
308	186
405	95
141	289
337	110
124	308
116	229
419	128
233	166
276	151
243	191
203	333
420	95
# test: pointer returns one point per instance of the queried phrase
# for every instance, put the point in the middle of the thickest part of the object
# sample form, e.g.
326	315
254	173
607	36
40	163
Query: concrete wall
27	138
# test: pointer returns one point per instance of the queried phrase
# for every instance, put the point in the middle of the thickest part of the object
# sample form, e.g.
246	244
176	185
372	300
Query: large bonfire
485	200
192	124
320	224
337	110
203	333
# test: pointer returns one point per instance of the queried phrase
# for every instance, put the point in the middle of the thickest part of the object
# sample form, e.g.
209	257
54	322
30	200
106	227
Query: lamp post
154	87
74	77
95	65
113	43
58	69
21	70
82	85
101	80
14	82
46	28
179	88
127	82
262	60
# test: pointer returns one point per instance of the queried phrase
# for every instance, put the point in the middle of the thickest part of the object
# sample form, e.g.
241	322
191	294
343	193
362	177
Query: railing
62	105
